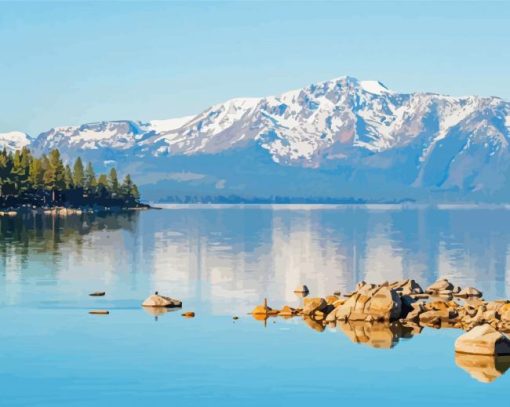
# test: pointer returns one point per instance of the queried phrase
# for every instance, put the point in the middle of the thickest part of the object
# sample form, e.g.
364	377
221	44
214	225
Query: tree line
47	181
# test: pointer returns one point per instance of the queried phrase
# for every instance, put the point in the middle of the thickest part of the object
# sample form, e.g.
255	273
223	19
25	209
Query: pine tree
113	182
68	178
126	188
78	174
54	174
36	174
135	194
89	182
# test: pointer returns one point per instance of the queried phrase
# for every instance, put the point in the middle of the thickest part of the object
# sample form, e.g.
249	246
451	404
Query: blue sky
67	63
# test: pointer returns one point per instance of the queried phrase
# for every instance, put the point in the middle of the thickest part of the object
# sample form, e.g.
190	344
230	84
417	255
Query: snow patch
375	87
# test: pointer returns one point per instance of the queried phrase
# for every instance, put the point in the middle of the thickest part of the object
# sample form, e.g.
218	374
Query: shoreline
65	211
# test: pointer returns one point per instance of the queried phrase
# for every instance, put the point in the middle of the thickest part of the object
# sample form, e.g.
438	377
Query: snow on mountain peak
375	87
14	140
338	119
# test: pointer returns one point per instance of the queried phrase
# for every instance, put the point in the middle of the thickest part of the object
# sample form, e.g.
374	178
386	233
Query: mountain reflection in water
223	261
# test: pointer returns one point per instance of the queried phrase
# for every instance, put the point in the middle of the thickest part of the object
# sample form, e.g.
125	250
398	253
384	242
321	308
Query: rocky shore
64	211
379	315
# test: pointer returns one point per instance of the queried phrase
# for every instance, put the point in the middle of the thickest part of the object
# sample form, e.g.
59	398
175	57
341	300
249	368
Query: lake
221	261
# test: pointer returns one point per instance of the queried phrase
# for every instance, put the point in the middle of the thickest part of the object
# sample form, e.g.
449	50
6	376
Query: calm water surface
221	262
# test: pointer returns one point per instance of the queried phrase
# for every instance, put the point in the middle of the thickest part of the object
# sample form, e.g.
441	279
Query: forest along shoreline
46	185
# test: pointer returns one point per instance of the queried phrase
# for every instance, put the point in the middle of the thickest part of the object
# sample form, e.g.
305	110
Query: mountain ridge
349	129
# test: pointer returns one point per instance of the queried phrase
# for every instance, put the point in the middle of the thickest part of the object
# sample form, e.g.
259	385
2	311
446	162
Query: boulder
313	304
97	294
440	285
382	303
407	287
188	314
263	311
156	300
483	340
469	292
432	317
505	316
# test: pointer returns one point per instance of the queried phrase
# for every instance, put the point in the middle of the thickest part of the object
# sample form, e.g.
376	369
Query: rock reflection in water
377	335
483	368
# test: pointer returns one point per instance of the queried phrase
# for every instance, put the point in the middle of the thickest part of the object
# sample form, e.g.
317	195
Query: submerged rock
156	300
483	340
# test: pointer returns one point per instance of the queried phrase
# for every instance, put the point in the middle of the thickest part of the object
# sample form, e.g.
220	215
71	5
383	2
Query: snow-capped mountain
342	137
14	140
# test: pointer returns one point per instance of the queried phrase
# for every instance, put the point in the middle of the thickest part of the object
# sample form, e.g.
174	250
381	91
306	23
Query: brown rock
310	305
188	314
156	300
331	299
287	311
97	294
382	303
99	312
483	340
439	285
469	292
505	316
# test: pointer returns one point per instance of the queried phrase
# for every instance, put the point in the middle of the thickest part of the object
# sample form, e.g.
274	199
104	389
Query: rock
156	300
313	304
483	368
188	314
407	287
434	316
483	340
99	312
97	294
235	317
505	316
469	292
382	303
301	289
263	311
439	285
287	311
331	299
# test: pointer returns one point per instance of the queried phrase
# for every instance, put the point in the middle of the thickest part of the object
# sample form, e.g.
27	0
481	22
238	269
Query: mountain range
342	138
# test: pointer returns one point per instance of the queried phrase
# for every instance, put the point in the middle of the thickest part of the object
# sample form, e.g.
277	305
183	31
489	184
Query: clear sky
67	63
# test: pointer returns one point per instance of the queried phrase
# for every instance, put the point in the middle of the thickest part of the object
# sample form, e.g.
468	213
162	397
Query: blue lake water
222	261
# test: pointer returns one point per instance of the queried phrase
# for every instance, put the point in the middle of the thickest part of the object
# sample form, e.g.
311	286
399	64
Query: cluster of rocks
403	308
